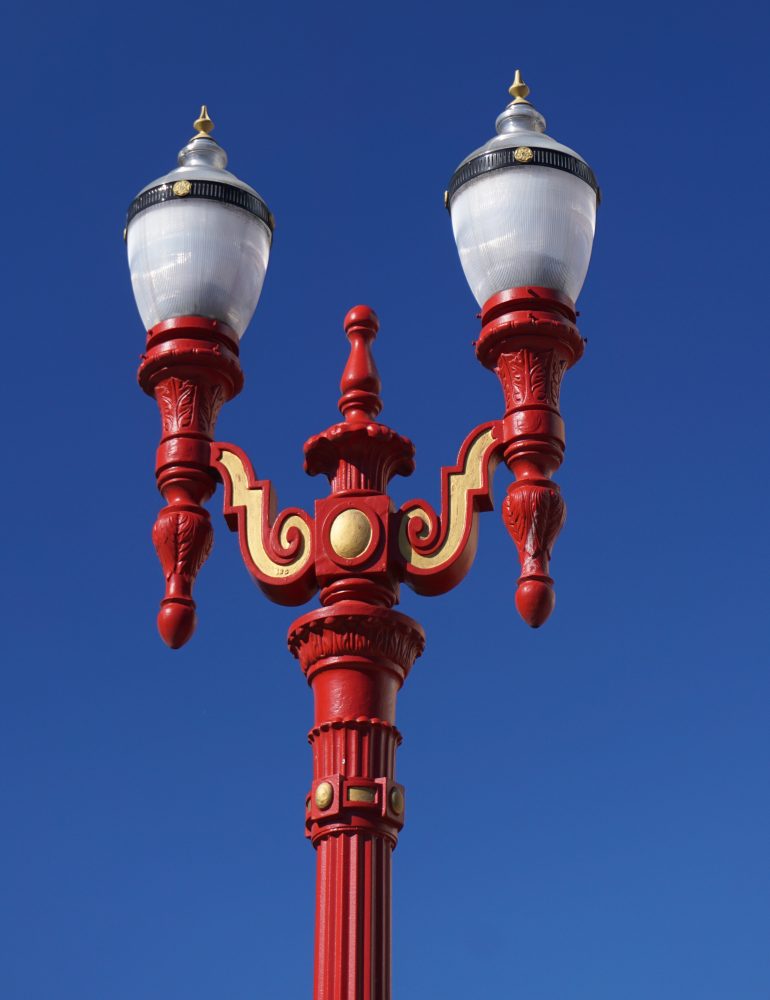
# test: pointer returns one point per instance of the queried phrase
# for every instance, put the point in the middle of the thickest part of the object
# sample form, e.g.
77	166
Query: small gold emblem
523	154
361	795
182	188
324	795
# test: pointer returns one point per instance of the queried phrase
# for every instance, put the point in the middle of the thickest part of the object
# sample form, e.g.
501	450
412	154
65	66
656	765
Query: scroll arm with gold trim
277	550
438	549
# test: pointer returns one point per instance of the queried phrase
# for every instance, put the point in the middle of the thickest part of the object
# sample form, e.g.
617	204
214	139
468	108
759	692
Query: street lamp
523	211
198	240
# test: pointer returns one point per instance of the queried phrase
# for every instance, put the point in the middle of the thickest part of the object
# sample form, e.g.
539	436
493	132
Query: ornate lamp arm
438	550
278	551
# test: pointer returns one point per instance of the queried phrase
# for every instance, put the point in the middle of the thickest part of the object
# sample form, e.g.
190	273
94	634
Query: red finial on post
360	384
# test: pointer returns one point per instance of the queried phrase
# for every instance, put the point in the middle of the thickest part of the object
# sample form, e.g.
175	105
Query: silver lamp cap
521	140
201	173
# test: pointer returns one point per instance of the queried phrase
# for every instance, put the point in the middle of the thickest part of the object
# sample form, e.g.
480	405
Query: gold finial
518	90
203	125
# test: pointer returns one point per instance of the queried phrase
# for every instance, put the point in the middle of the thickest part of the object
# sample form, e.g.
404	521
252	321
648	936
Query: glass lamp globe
523	207
198	240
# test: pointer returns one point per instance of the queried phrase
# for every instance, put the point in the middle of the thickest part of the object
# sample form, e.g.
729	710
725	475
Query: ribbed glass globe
198	242
523	210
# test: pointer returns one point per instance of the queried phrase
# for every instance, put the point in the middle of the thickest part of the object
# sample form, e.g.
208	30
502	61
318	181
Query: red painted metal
190	365
529	339
356	657
359	455
356	652
357	549
436	565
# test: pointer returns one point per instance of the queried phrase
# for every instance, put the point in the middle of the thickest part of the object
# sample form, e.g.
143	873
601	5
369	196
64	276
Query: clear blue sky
588	804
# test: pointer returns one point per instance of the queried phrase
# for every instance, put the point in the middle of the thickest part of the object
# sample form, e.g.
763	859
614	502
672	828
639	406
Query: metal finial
204	124
360	385
518	89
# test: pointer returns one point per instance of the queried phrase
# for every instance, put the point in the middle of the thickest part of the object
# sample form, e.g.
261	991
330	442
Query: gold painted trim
258	521
203	124
518	90
324	795
350	533
459	515
362	794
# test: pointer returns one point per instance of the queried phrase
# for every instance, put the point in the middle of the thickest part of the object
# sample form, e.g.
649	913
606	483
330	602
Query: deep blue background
588	814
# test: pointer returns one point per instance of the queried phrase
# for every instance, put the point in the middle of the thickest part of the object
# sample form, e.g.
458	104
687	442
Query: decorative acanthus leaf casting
356	635
558	366
211	404
439	549
530	377
277	550
186	407
183	536
183	540
534	515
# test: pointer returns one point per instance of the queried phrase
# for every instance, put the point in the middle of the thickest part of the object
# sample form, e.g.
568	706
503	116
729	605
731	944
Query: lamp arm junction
278	550
438	549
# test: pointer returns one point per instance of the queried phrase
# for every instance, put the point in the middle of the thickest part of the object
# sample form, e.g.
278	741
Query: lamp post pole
357	548
356	652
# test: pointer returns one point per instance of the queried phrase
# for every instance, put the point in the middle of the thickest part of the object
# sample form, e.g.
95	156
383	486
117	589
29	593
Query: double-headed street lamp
523	210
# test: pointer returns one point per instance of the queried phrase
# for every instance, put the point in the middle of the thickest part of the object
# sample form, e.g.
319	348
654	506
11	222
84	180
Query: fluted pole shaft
356	657
353	899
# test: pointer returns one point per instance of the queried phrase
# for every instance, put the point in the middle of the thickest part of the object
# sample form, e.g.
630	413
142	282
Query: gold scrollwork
428	542
292	541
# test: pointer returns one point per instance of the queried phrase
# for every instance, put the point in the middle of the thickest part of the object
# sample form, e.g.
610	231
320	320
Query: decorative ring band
228	194
518	157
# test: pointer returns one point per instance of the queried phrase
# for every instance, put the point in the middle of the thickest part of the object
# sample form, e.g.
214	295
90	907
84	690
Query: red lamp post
357	549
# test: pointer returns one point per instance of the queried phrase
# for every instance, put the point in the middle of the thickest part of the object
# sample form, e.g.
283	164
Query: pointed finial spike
203	125
518	90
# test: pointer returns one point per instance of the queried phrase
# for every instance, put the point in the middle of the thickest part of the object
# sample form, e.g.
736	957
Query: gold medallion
523	154
182	188
350	533
324	795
